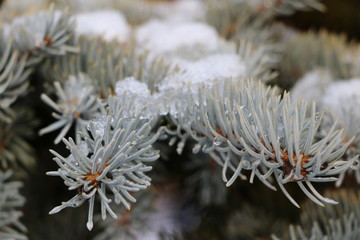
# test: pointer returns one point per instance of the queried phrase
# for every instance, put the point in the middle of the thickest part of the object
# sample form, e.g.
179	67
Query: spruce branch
130	223
108	62
43	34
333	222
205	181
342	99
16	8
233	18
245	126
309	51
259	59
252	222
157	215
136	11
15	150
13	75
25	44
118	96
10	199
348	123
77	103
113	159
287	7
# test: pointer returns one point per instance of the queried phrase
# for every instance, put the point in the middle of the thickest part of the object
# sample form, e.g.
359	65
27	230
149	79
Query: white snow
342	99
162	37
29	31
109	24
195	74
182	10
132	86
175	87
138	99
6	30
343	95
213	66
83	148
99	124
312	85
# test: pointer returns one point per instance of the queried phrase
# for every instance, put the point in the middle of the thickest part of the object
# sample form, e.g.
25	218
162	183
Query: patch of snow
99	124
182	10
197	74
132	86
138	99
342	99
83	148
163	38
109	24
343	95
204	70
29	31
312	85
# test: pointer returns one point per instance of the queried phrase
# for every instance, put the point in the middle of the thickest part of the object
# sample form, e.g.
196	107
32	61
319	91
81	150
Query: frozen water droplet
71	159
180	147
196	148
146	117
317	117
246	165
217	141
136	140
172	141
99	124
83	148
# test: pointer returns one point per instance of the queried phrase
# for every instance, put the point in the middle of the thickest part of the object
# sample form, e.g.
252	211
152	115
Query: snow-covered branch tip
245	126
43	34
112	158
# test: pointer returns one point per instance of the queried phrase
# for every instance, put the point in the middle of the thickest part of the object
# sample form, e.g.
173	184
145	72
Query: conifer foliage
156	112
